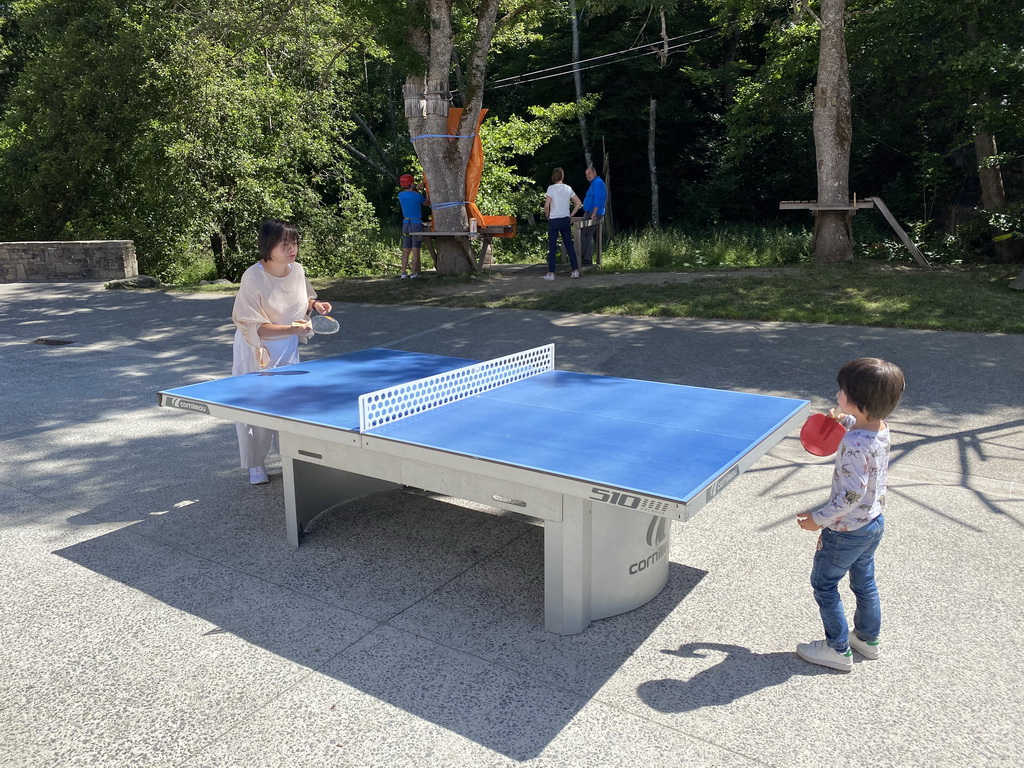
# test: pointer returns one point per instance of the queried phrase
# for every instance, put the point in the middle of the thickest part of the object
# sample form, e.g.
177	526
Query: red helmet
406	180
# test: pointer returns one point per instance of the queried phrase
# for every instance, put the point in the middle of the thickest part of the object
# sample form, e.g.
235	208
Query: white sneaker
414	275
819	652
258	475
869	649
575	274
549	276
402	276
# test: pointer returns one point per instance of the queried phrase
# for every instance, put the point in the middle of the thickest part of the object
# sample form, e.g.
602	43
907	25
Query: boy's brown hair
873	385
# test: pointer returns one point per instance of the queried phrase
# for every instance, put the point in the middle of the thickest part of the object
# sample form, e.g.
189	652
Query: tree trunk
663	55
993	195
444	166
833	130
444	158
608	222
732	44
220	263
653	165
579	80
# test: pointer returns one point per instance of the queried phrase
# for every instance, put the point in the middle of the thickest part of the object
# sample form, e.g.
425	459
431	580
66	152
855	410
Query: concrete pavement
153	614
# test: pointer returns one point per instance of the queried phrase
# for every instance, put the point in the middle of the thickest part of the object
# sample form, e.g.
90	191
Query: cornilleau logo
188	405
719	485
657	533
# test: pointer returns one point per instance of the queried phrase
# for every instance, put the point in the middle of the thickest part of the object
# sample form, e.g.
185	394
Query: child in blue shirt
851	523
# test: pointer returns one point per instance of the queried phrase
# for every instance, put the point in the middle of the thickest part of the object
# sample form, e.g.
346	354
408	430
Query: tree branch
477	67
370	134
370	161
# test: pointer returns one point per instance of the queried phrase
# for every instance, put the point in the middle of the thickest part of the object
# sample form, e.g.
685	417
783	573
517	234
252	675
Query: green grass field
785	286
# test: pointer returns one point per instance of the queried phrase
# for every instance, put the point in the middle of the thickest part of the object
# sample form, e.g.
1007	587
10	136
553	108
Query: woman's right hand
303	329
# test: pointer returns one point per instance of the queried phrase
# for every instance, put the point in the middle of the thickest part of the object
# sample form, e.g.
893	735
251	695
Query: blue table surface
664	440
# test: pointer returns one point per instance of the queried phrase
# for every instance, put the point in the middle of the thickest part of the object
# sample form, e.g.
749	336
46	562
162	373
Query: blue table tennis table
606	463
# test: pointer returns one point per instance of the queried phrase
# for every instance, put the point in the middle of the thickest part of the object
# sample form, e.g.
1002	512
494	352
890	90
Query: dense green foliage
181	124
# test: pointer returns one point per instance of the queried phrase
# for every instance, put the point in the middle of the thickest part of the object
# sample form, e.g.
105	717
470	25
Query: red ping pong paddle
821	434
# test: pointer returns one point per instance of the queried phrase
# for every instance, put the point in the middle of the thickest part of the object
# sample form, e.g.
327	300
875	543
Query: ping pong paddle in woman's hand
324	324
821	434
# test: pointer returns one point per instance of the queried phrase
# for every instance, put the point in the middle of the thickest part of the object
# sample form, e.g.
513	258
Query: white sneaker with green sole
869	649
819	652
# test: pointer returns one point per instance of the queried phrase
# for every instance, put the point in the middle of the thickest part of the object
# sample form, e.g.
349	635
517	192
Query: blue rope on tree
441	136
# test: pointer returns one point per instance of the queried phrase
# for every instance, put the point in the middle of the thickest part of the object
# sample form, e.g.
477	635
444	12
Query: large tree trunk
653	165
993	195
833	131
444	159
578	79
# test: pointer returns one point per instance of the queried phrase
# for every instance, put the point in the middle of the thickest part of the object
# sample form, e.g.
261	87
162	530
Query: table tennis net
401	400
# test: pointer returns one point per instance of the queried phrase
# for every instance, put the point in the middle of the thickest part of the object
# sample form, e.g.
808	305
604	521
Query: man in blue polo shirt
593	208
412	201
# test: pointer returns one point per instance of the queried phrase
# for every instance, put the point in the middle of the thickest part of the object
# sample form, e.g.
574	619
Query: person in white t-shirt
556	208
270	314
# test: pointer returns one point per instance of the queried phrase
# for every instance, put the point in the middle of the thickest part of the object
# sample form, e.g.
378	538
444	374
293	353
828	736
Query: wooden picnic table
466	240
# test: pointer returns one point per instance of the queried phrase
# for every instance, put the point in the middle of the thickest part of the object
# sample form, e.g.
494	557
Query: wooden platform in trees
854	205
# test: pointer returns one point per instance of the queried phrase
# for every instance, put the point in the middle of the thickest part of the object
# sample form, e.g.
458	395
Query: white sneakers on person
549	276
258	475
819	652
414	275
575	274
869	649
403	276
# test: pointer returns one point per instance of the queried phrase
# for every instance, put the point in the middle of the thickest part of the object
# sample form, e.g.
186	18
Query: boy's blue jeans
850	552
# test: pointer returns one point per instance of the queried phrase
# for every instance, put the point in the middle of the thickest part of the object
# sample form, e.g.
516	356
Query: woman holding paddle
271	316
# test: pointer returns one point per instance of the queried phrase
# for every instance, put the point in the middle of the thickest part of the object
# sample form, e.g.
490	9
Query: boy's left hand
805	521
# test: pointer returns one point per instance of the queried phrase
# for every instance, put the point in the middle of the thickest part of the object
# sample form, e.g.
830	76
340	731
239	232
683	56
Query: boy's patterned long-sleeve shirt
858	483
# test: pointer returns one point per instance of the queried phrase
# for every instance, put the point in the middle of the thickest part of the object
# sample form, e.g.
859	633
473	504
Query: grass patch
974	299
726	246
786	286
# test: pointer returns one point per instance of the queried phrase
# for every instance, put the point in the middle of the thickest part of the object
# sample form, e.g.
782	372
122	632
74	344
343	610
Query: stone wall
70	260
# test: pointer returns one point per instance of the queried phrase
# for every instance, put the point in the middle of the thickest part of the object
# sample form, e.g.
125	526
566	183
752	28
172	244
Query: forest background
182	124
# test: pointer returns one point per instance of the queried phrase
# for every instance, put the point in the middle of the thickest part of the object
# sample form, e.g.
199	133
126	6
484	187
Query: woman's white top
560	195
263	298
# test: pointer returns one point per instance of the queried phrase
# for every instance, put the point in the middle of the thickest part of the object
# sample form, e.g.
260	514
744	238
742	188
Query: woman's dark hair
274	231
873	385
557	175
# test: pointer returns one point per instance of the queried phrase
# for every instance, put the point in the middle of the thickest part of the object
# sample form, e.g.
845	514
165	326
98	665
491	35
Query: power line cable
529	77
565	69
605	55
